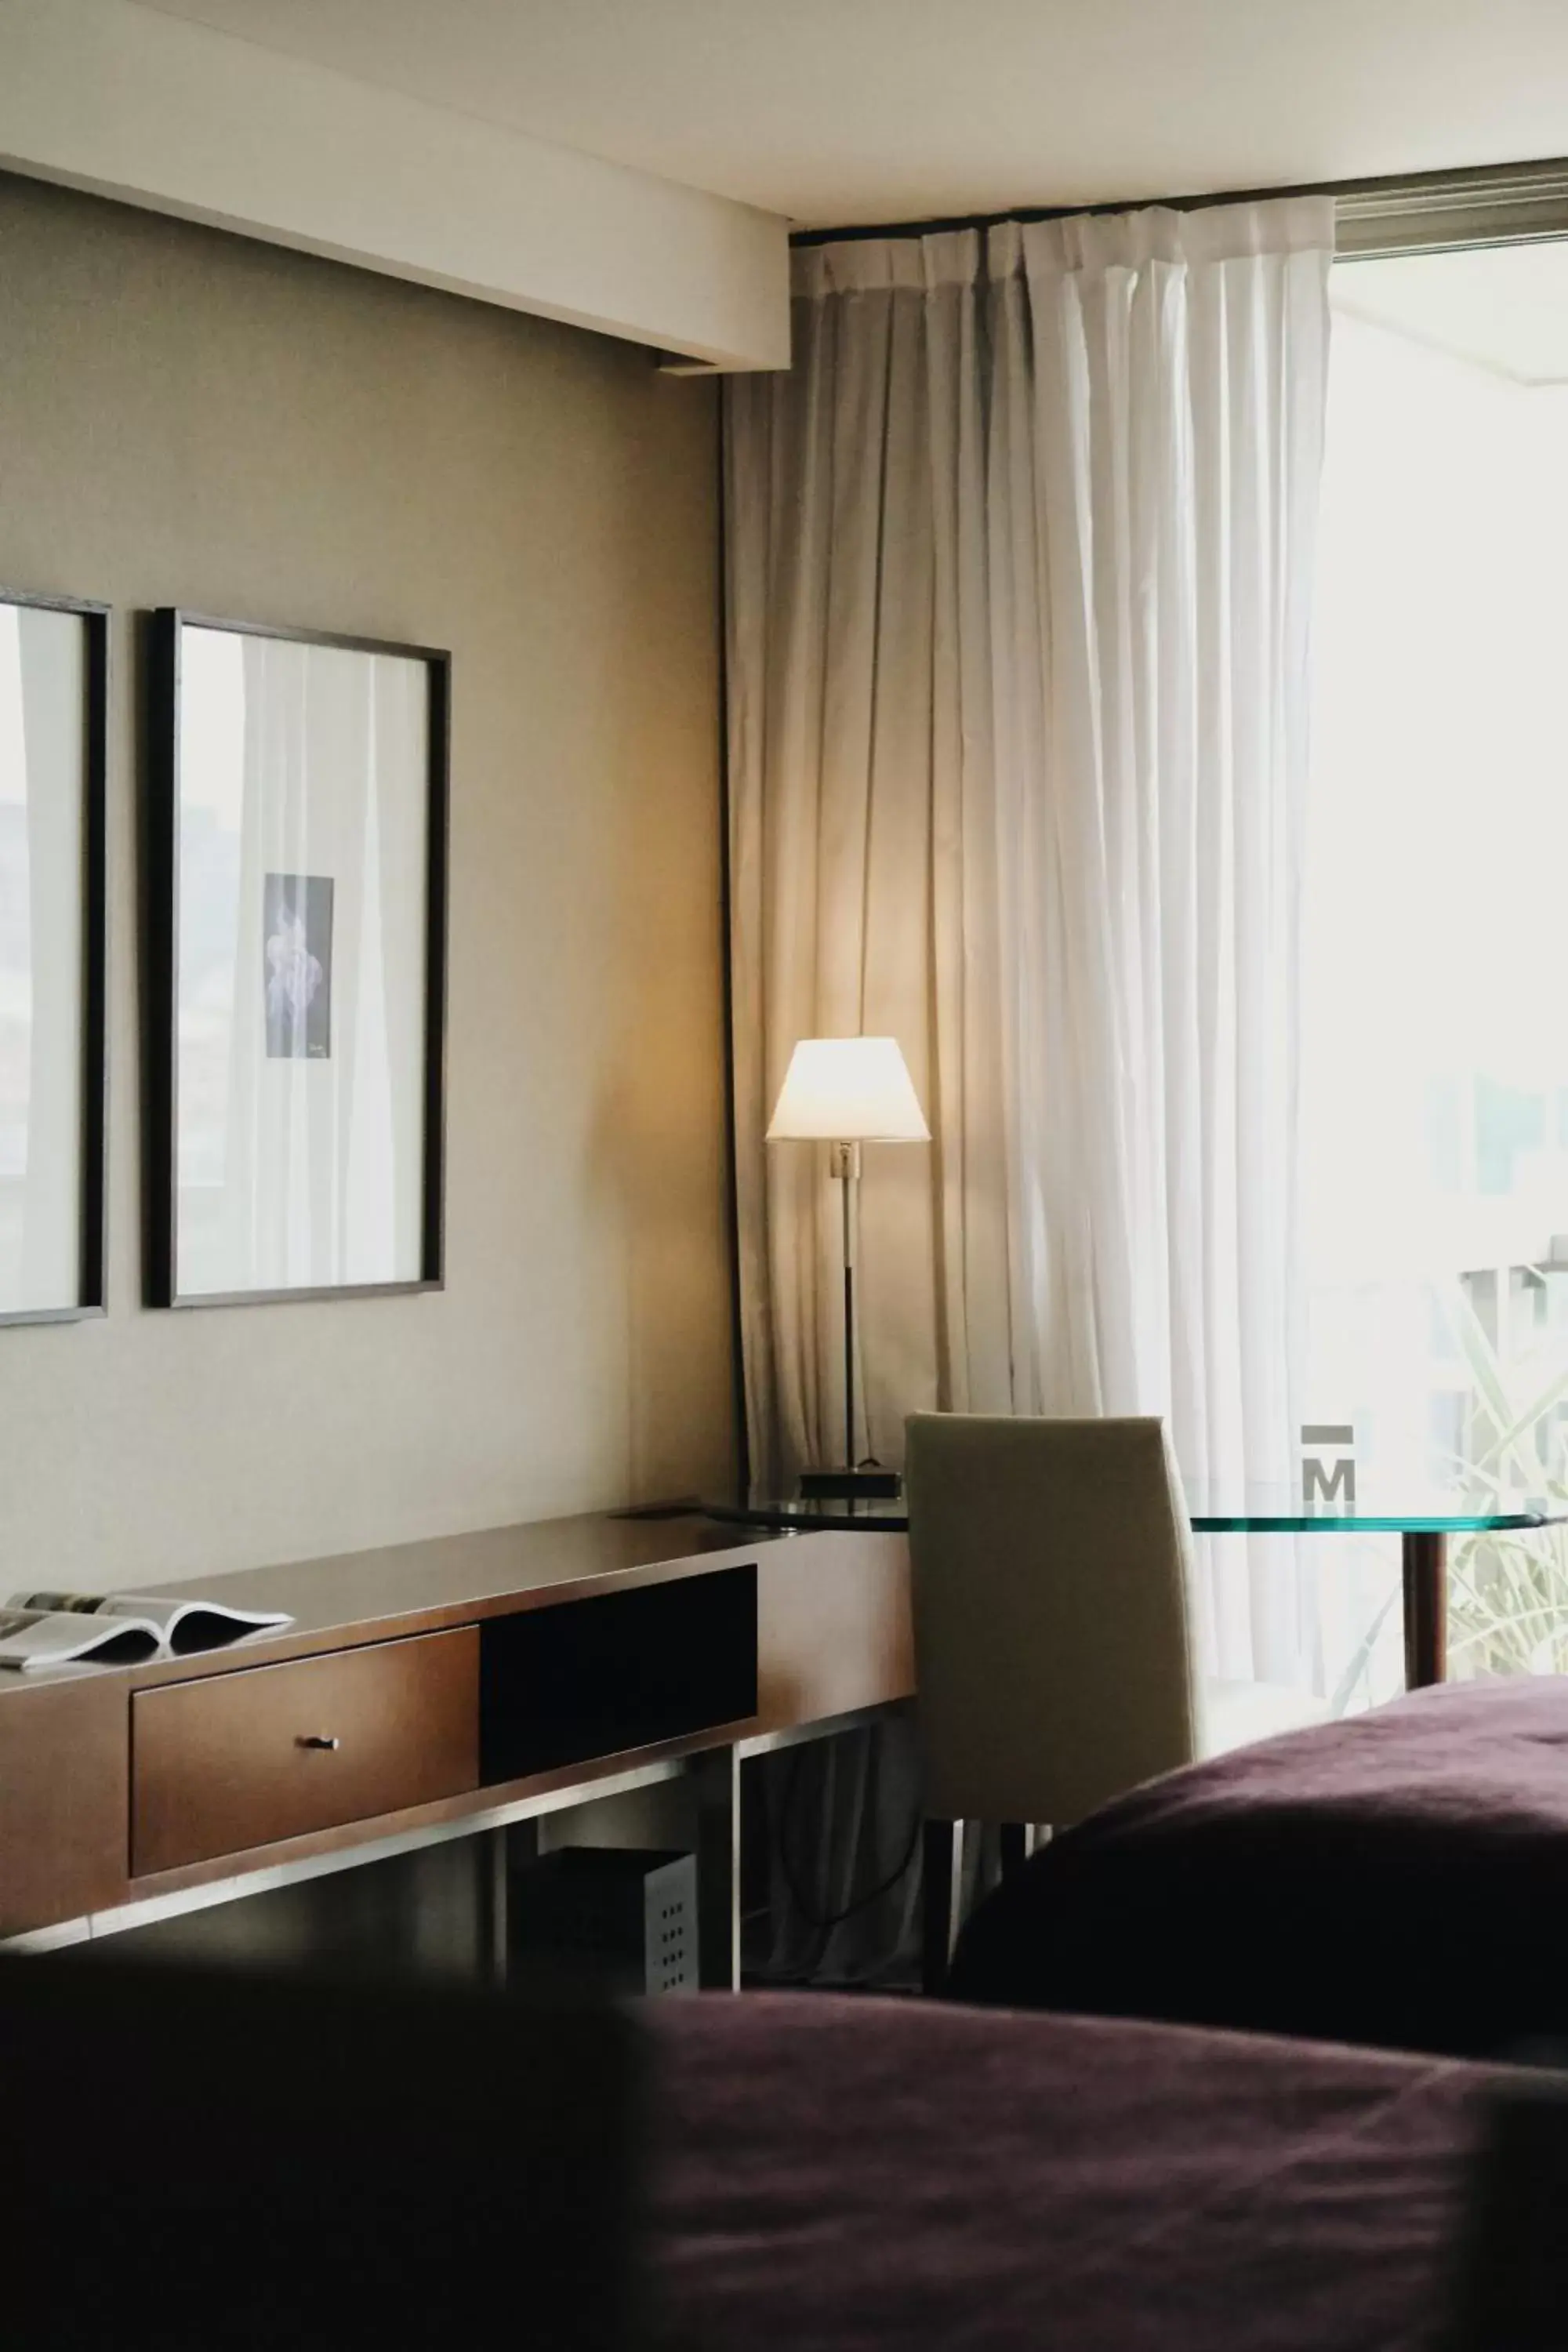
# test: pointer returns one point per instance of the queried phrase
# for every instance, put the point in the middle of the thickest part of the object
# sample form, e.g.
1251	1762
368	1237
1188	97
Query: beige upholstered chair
1053	1654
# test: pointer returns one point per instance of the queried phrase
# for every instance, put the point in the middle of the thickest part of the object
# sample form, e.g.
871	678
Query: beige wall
189	418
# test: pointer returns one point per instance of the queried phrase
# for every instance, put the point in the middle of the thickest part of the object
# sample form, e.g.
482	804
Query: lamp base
870	1484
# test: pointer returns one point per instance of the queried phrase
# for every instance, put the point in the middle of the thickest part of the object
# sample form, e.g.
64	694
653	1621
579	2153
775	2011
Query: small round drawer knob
319	1739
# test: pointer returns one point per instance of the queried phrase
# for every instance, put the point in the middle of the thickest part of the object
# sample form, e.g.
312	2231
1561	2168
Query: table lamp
846	1091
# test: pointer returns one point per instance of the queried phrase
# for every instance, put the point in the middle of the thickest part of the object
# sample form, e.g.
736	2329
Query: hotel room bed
854	2175
1399	1878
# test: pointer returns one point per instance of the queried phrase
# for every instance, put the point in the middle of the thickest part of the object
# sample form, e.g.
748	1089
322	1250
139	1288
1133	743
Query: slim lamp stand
857	1481
837	1091
845	1161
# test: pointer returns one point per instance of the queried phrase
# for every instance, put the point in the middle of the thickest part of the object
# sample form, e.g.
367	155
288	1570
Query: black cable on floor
826	1922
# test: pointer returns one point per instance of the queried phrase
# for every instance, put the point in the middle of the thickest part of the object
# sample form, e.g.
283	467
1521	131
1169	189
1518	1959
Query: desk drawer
226	1763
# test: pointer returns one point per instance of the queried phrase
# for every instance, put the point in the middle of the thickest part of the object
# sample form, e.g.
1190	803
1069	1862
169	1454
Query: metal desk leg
716	1778
943	1872
496	1854
1425	1608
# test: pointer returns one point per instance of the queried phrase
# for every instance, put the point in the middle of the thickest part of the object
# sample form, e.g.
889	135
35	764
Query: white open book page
43	1637
50	1628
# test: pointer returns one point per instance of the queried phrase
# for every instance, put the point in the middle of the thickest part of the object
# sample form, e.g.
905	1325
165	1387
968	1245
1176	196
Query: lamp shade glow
848	1090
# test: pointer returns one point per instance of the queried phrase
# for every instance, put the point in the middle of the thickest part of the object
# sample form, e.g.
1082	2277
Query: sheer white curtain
1019	564
1157	429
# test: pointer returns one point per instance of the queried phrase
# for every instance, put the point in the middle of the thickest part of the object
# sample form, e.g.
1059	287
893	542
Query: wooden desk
469	1683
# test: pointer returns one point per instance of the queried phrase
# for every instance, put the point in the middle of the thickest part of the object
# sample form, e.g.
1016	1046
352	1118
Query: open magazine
120	1629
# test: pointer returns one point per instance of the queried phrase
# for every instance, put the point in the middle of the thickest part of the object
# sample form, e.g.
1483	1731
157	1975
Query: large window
1435	1046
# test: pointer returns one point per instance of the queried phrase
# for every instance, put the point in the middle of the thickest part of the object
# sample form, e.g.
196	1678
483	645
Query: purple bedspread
1400	1878
848	2175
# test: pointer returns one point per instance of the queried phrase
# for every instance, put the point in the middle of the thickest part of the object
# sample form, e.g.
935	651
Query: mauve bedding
1400	1879
853	2175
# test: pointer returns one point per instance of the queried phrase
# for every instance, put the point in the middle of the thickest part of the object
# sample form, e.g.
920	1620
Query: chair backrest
1052	1646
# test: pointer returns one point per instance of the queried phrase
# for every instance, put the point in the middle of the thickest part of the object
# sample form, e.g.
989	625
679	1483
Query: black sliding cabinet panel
585	1678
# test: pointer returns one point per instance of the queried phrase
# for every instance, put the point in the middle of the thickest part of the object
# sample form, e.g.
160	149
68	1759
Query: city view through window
1435	1111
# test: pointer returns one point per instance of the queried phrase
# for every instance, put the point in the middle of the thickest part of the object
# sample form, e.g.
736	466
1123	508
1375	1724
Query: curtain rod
1493	204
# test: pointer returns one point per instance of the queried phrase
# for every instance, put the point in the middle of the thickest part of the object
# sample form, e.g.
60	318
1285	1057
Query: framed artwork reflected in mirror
297	870
54	692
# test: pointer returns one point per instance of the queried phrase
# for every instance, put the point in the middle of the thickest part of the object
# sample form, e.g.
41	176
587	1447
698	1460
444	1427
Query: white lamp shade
848	1090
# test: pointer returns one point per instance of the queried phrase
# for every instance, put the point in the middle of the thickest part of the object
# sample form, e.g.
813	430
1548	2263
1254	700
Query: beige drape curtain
864	880
864	838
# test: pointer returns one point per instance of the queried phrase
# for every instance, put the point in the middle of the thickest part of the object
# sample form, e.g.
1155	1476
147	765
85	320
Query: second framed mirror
297	981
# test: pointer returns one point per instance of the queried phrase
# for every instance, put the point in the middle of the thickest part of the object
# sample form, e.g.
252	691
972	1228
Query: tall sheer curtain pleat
1019	568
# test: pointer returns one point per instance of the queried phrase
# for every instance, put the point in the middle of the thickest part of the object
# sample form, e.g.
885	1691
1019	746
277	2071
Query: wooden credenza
437	1689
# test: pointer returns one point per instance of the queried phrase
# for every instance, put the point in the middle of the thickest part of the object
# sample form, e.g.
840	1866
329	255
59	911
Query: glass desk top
1242	1511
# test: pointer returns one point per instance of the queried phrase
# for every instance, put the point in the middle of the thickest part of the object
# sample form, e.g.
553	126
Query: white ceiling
842	110
1506	310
